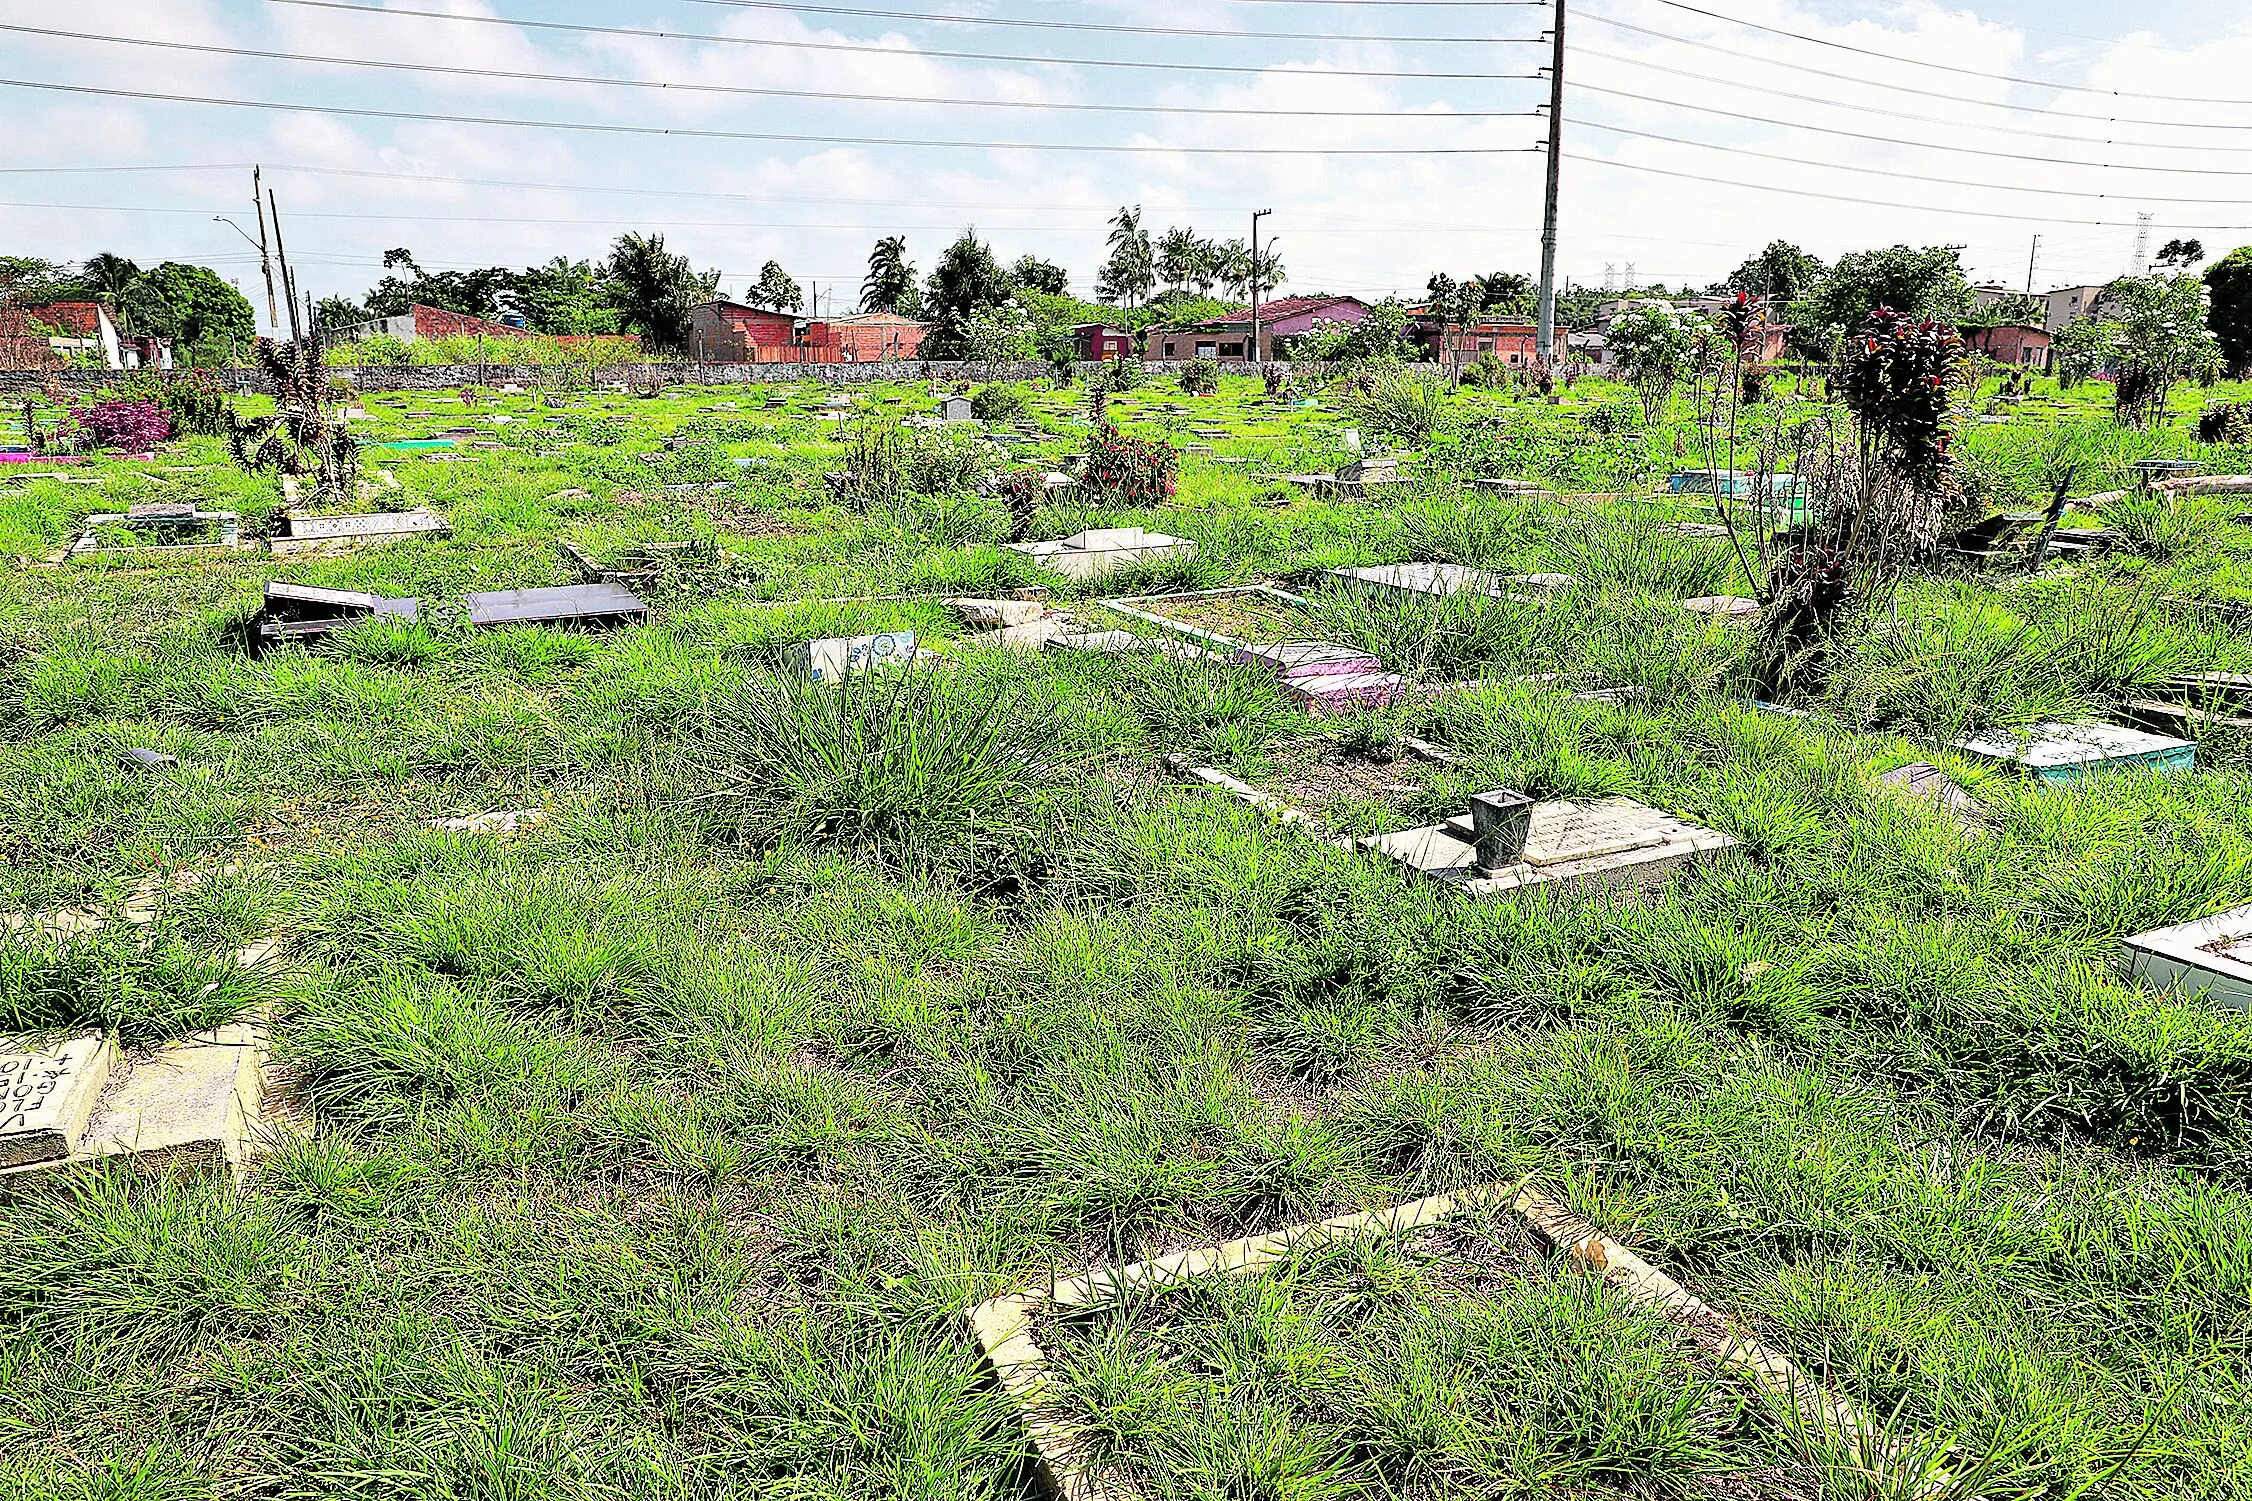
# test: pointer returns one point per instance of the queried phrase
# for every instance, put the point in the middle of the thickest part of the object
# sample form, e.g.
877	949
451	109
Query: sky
1391	139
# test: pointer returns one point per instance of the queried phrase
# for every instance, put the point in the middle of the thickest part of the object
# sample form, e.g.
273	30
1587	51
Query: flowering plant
128	426
1128	471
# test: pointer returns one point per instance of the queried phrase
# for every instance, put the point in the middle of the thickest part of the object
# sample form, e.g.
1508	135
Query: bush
1116	375
126	426
921	767
1399	404
1201	378
2225	422
997	402
1128	471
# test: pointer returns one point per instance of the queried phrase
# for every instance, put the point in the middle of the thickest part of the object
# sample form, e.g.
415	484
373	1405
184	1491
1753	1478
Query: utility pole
265	261
1256	272
2030	262
289	283
1555	180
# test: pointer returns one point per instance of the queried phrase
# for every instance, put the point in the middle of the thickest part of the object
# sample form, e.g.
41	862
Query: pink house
1229	337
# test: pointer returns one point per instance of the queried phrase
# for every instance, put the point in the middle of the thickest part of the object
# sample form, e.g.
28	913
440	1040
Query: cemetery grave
702	1052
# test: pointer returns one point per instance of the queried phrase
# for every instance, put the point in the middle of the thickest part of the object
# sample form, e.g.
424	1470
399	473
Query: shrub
1200	378
1117	375
1399	404
2225	422
1023	491
194	403
1127	471
996	402
127	426
920	767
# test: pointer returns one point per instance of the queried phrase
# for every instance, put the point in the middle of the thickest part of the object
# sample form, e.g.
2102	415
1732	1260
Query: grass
665	1142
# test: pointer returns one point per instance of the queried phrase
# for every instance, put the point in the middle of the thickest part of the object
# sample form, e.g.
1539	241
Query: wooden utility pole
1555	180
265	260
289	283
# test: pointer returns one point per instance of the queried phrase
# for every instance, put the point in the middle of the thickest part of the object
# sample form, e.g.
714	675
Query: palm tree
890	284
654	289
1131	271
1180	254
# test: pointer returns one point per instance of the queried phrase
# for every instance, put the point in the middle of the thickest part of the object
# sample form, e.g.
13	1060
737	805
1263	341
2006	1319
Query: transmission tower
2142	244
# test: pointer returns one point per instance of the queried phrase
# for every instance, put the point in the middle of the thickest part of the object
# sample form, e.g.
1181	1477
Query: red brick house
735	333
1510	340
2011	344
421	322
1229	337
865	337
1099	341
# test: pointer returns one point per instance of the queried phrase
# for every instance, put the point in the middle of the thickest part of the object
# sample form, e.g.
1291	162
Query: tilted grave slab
305	612
2212	955
47	1097
589	606
1614	843
1092	554
2057	752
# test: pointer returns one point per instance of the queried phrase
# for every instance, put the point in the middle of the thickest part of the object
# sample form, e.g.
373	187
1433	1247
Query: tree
2018	309
653	289
27	281
889	286
2180	255
332	313
2156	329
108	277
776	290
1044	277
2229	281
1782	271
1917	284
1183	259
1507	294
566	297
1131	272
1654	343
192	307
966	282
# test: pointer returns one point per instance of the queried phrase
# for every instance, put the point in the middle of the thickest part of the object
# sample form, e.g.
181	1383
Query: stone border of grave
2192	957
230	539
1002	1326
1129	607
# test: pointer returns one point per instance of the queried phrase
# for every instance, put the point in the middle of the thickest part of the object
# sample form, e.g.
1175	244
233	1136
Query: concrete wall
452	377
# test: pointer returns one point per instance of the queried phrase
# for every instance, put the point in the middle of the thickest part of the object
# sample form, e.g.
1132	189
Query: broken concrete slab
1614	843
48	1092
1440	579
2057	752
1341	693
506	822
2212	956
1727	607
993	614
304	612
1297	661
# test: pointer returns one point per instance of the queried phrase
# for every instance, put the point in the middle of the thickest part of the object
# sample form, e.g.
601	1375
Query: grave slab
1344	692
1297	661
571	604
47	1096
1442	579
1728	607
1092	554
2056	752
189	1106
1615	843
2212	954
1927	783
308	533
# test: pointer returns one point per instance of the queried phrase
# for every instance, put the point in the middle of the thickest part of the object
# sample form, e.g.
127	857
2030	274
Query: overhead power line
1900	88
799	137
869	49
1112	27
516	75
1984	187
1862	135
1980	126
1918	62
1751	186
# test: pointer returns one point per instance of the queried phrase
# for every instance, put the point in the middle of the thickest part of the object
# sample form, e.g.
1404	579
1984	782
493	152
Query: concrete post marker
47	1095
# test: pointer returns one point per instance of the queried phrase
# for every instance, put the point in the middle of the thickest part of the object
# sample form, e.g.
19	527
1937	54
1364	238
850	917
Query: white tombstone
839	657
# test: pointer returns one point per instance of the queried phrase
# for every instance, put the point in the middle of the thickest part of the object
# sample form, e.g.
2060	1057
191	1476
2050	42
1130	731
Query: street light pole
1256	216
1555	180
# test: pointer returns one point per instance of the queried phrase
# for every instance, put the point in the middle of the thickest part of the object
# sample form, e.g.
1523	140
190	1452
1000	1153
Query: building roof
729	305
864	319
81	318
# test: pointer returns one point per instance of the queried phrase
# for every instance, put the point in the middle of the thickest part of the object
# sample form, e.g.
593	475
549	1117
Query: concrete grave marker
1092	554
1615	843
47	1096
593	605
2212	954
2056	752
309	532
